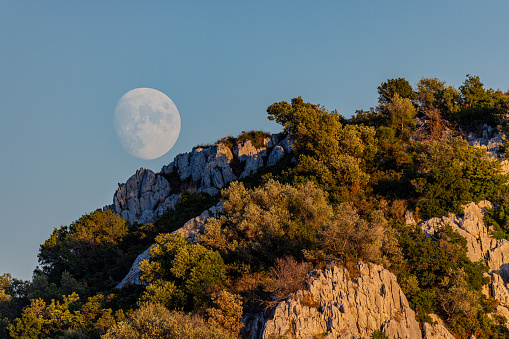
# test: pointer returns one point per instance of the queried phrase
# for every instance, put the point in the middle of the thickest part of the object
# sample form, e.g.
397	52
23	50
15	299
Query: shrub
226	311
88	249
349	237
154	321
267	222
287	277
452	174
190	268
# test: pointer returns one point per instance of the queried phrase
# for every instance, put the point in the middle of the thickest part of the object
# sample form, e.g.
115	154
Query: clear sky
65	64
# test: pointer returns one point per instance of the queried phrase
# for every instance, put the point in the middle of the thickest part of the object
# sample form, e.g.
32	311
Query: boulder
276	155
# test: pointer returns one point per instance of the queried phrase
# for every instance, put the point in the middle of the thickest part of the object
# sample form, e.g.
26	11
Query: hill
392	223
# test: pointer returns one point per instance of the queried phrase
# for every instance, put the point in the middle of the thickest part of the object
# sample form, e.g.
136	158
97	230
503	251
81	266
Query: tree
452	174
334	155
480	106
402	113
88	249
267	222
154	321
472	91
433	93
387	90
349	237
186	271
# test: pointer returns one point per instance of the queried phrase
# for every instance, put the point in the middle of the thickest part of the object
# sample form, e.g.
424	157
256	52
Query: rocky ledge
146	195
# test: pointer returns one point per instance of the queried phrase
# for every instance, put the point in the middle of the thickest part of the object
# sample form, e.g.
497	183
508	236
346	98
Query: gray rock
182	165
198	161
166	206
140	195
275	155
436	330
217	171
409	218
287	144
251	156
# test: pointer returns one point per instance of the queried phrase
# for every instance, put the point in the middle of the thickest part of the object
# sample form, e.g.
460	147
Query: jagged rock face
481	246
147	195
337	305
276	155
140	196
436	330
471	226
217	171
251	156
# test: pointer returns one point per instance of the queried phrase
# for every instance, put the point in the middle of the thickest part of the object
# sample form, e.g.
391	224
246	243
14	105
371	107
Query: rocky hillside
146	195
337	303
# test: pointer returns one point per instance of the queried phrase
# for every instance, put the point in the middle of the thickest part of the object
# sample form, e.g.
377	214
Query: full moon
147	123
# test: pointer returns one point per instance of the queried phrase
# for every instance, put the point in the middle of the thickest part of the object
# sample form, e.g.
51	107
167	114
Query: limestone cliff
146	195
338	304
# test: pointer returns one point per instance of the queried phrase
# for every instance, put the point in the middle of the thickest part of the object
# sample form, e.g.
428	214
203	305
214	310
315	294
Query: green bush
89	250
181	270
453	174
267	222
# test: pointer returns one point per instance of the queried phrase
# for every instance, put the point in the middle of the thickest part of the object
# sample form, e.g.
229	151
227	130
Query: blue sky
65	64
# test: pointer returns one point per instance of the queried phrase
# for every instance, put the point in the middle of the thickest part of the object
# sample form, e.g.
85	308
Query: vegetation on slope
339	197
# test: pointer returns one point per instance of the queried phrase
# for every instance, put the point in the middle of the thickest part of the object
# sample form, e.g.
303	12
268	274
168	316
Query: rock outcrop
339	305
436	330
481	246
140	196
147	195
491	140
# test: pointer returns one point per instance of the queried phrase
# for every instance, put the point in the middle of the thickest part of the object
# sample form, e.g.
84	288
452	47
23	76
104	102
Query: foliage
88	249
183	270
154	321
400	86
498	216
226	311
402	113
453	174
331	153
42	320
287	277
257	139
480	106
432	93
378	335
349	237
268	222
438	276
